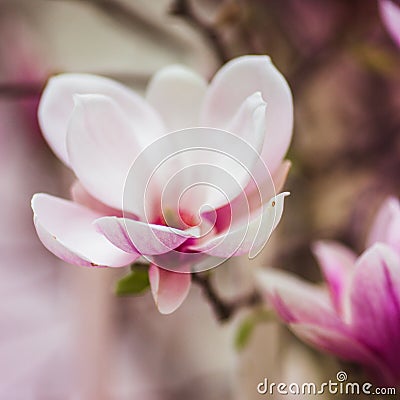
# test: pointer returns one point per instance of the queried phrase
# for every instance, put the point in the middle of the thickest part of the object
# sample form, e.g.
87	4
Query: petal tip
169	289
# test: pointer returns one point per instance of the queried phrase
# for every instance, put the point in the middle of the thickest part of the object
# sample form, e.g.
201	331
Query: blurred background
63	333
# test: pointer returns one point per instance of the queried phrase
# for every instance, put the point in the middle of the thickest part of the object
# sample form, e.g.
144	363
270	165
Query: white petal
65	228
102	144
176	93
56	105
195	166
237	80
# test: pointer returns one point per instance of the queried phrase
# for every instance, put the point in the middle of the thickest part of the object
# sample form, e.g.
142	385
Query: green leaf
244	333
377	59
135	283
246	328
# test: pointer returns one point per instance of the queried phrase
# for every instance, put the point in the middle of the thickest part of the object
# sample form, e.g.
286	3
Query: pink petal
342	345
393	234
336	262
176	92
237	80
297	301
373	308
249	237
139	237
57	103
65	228
390	13
279	176
386	227
102	144
255	195
169	289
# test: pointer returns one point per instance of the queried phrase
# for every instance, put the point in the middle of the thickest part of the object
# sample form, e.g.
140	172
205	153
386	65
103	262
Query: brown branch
183	8
224	310
133	20
20	90
116	10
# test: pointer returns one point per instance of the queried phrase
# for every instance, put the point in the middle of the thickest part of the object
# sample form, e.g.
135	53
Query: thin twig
183	8
224	310
133	20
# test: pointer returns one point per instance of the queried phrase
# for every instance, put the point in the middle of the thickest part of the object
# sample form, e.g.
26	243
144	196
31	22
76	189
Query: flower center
179	220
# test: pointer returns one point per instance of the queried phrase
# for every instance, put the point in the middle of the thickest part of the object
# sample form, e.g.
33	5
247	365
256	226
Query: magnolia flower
113	140
390	14
357	316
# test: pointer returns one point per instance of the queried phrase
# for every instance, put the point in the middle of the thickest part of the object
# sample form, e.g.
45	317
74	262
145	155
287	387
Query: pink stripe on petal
249	201
336	262
248	237
139	237
344	346
297	301
373	302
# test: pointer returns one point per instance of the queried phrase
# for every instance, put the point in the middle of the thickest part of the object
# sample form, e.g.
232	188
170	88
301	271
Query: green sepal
135	283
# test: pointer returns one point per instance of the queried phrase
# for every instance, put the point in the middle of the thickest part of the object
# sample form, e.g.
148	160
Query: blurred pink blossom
356	316
99	128
390	13
52	329
22	63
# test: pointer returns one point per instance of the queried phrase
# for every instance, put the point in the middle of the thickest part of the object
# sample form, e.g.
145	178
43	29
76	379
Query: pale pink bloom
390	14
99	128
356	315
